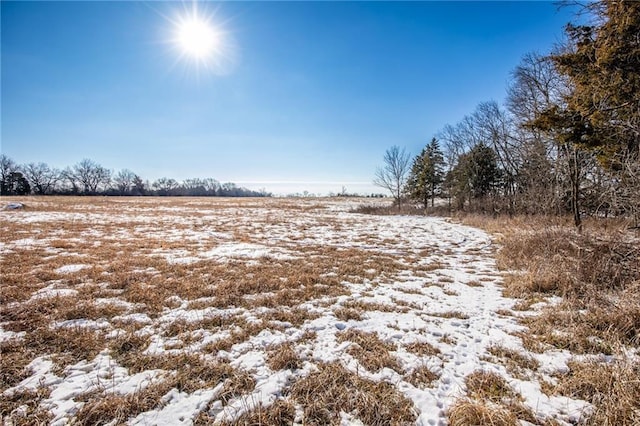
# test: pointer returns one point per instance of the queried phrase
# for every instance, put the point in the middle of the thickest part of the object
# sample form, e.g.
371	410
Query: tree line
565	141
90	178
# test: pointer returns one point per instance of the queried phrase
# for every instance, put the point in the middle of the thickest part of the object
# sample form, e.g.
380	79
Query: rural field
171	311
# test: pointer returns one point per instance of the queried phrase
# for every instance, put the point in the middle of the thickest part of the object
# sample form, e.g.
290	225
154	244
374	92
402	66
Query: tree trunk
433	194
575	190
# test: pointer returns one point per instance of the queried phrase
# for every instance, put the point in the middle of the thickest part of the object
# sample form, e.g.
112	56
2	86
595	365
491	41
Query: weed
467	412
283	357
422	349
612	388
421	377
332	390
370	351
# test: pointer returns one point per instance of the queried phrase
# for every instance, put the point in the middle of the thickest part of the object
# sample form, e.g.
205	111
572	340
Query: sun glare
197	38
201	41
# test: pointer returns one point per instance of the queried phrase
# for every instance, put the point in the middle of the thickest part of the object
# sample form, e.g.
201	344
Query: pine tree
476	175
603	66
601	114
427	174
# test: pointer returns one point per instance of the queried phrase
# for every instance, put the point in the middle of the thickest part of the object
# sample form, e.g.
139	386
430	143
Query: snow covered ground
238	283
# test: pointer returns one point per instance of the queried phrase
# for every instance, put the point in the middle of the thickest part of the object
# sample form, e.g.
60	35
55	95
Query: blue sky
311	96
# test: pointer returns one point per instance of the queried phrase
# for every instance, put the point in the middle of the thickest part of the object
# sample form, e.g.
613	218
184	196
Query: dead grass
103	407
467	412
597	273
422	349
516	363
348	314
565	327
283	357
331	390
14	359
612	388
372	353
450	314
491	401
23	408
421	377
388	209
366	306
559	261
281	412
125	243
68	345
487	385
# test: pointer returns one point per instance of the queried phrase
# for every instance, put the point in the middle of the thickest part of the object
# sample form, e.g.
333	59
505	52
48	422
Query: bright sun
197	38
201	40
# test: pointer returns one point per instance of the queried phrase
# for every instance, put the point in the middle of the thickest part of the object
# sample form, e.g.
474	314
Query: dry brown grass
450	314
467	412
125	242
23	408
565	327
333	389
67	345
597	273
281	412
348	314
516	363
422	349
613	388
387	209
14	359
370	351
422	377
491	401
489	386
561	262
103	407
283	357
367	306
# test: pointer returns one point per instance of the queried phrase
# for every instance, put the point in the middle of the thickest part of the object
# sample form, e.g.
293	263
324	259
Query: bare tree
91	176
124	181
393	174
70	183
548	169
41	177
165	186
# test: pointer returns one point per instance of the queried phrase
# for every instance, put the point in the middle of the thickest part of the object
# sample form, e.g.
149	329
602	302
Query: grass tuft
283	357
332	390
467	412
370	351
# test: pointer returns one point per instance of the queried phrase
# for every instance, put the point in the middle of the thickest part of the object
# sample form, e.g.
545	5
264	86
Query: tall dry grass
596	274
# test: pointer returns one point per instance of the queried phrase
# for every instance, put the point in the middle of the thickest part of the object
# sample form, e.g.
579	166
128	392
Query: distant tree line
90	178
566	140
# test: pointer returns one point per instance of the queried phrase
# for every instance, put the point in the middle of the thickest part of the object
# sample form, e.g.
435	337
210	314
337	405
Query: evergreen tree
427	174
16	184
476	175
602	63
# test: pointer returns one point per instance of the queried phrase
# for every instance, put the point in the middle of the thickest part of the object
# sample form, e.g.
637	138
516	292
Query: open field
274	311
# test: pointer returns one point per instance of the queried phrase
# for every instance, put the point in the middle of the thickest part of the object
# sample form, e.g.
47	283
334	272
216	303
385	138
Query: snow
102	373
179	408
226	251
423	300
246	250
69	269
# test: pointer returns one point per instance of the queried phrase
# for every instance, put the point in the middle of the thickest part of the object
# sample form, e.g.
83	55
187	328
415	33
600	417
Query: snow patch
69	269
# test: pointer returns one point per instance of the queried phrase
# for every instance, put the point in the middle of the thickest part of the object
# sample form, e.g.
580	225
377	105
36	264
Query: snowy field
206	311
